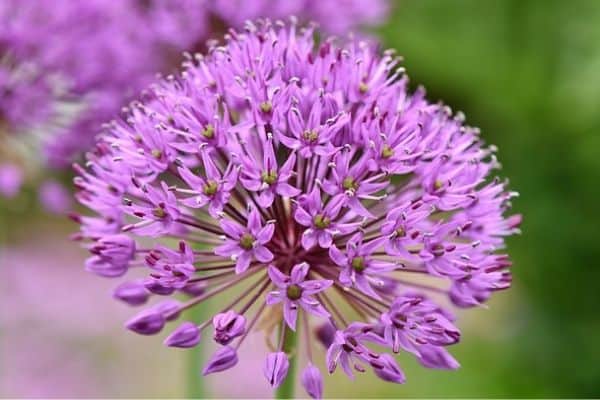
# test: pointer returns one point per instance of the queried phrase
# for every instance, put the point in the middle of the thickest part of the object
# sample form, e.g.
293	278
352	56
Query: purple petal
315	286
290	314
287	190
309	239
232	229
314	307
288	166
251	184
266	197
254	220
277	277
243	262
263	254
325	239
274	298
302	217
362	284
299	272
228	249
337	256
265	234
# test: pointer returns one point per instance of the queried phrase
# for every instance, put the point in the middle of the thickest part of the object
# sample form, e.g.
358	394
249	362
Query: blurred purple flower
54	197
56	337
11	178
104	52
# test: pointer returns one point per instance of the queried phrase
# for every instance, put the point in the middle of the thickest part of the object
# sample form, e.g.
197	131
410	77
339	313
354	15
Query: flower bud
386	368
117	249
187	335
224	358
276	368
156	287
133	293
312	381
168	308
436	357
325	334
228	326
148	322
105	268
194	289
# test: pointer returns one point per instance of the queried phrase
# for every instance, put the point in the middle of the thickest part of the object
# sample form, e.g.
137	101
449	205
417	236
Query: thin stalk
286	389
195	361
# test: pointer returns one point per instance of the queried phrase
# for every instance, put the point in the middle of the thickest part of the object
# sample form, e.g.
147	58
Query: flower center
269	177
321	221
210	188
350	184
358	264
266	107
310	136
363	87
208	132
159	212
438	184
156	153
399	320
400	232
247	241
387	151
294	292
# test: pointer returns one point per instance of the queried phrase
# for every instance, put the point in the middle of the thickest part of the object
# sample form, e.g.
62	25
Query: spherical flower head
305	185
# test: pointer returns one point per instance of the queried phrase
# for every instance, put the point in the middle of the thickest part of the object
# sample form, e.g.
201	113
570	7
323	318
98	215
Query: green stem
286	389
195	361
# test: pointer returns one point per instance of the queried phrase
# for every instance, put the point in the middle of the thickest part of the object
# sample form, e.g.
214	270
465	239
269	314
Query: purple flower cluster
306	179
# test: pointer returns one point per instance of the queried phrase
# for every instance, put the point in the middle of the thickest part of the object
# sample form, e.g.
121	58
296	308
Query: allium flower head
305	178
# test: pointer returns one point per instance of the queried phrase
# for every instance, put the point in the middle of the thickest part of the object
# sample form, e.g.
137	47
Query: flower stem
286	389
195	361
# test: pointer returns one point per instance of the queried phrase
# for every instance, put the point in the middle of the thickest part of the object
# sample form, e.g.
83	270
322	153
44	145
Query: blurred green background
528	74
